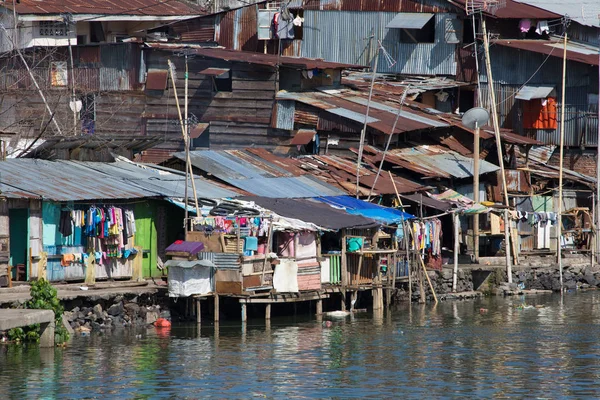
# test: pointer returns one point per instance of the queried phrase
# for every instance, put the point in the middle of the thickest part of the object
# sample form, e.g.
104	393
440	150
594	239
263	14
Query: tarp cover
313	211
285	276
366	209
187	278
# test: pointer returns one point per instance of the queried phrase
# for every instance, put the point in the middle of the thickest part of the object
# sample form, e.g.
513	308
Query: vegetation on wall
43	297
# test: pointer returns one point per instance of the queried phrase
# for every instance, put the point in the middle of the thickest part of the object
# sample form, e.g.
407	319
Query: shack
75	221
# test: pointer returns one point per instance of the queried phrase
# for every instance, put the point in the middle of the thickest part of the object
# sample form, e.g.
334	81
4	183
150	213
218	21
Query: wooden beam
282	299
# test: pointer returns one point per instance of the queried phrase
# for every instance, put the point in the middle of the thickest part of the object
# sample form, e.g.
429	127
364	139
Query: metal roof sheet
584	12
106	7
529	92
410	20
437	163
285	187
214	71
74	180
575	51
256	175
303	136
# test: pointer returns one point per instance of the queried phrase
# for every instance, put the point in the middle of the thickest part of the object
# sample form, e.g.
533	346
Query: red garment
536	115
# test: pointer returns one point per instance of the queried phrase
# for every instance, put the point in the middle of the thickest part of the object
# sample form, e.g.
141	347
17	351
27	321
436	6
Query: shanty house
48	225
52	23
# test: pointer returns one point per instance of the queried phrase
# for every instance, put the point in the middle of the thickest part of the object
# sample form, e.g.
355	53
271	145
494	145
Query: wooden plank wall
239	118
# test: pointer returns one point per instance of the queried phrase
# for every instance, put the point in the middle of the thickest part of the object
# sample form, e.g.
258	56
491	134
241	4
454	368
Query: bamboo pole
560	165
186	138
364	130
418	256
598	168
187	147
488	67
267	249
455	221
476	191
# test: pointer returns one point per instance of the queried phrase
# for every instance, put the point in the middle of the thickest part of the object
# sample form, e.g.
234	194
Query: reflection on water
450	350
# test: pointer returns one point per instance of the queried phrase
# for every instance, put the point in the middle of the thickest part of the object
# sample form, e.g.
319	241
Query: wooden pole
598	167
186	138
476	192
456	221
418	256
593	232
267	250
364	130
198	312
216	309
187	147
405	228
244	313
560	165
492	96
268	311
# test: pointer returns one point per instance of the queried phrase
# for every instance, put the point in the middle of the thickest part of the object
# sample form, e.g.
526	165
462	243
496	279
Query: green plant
43	297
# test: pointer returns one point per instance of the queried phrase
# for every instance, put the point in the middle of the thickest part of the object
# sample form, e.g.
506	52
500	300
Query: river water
419	351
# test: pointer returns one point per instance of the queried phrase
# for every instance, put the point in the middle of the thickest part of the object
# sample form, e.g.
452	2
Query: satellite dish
475	117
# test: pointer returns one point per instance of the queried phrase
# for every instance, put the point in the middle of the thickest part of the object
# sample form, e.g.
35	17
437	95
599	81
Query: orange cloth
536	115
67	259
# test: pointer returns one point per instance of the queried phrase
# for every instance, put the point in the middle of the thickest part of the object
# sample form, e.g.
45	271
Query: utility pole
364	130
488	67
188	164
560	167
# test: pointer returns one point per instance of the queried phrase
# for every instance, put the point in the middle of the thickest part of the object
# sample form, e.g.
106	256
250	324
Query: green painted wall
19	237
145	236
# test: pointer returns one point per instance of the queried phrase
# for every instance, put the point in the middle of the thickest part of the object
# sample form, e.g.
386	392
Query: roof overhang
106	18
530	92
409	20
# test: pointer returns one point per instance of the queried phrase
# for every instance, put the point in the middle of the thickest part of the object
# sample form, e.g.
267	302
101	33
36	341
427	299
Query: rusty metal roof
435	162
107	7
250	57
247	171
575	51
156	79
514	9
74	180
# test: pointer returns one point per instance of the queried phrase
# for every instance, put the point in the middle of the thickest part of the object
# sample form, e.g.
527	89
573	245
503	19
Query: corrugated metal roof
541	154
303	136
166	182
73	180
435	162
583	11
575	52
255	175
106	7
287	187
409	20
534	92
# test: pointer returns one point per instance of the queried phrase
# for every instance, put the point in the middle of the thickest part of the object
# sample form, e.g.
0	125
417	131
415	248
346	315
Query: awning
214	71
428	201
534	92
410	20
366	209
156	79
303	136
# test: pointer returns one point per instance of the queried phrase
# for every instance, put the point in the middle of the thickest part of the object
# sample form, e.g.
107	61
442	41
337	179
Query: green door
19	239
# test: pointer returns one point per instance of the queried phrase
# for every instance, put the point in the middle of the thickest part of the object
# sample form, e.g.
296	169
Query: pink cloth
525	25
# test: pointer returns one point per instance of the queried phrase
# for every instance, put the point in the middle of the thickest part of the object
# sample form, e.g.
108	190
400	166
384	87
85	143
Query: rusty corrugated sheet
466	70
87	79
224	34
379	5
106	7
156	79
306	115
196	30
516	181
87	55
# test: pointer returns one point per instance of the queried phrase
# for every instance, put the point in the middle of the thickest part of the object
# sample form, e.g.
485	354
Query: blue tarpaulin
366	209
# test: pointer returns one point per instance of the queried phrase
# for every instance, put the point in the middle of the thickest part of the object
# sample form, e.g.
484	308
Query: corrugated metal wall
378	5
581	127
344	36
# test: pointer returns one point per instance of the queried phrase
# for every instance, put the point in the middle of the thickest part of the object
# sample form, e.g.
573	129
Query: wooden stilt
319	307
268	312
343	304
216	308
198	312
244	313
